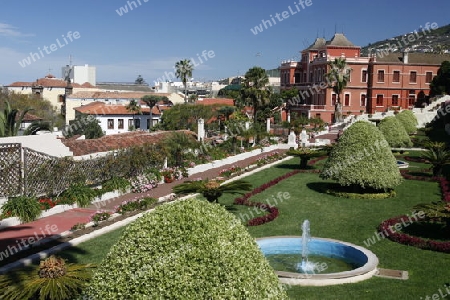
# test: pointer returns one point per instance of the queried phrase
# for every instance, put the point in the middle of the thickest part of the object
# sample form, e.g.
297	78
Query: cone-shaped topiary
409	120
394	133
189	249
363	159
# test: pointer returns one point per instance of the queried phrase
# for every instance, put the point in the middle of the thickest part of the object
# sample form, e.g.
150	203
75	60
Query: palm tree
212	189
183	70
438	156
151	101
338	78
176	143
10	121
254	89
134	108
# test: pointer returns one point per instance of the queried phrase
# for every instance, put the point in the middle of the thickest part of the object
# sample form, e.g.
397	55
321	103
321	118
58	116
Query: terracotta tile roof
101	108
29	117
414	58
49	82
116	141
111	95
214	101
340	40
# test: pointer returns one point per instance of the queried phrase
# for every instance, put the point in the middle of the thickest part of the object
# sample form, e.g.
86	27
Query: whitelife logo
35	56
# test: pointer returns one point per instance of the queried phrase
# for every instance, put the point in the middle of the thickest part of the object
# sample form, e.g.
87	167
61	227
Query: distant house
49	88
109	97
27	120
115	118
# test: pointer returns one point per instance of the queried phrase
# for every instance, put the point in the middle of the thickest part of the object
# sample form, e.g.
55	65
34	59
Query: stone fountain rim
364	272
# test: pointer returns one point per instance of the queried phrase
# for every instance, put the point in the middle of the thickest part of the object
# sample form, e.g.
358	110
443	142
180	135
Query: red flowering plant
46	203
272	210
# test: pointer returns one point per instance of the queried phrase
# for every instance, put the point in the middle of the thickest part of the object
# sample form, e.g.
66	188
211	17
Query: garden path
16	237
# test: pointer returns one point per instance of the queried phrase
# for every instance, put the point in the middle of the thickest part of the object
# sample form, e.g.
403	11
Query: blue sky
152	36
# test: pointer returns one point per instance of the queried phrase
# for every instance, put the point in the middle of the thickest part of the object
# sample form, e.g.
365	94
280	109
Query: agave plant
10	121
436	211
52	280
212	189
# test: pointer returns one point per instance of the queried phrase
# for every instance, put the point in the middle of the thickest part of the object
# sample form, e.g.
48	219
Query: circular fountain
317	261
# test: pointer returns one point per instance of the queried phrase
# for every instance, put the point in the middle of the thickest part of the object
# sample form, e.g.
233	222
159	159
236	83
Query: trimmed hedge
408	120
362	157
394	133
189	249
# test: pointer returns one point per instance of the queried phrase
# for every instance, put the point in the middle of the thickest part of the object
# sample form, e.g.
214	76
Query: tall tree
134	108
183	70
151	101
255	89
338	78
441	82
139	80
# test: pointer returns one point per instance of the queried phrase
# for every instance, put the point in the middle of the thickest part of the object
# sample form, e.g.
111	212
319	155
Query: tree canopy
362	159
394	132
189	249
440	84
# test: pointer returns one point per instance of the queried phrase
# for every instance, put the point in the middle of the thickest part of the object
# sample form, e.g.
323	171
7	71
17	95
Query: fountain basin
364	262
402	164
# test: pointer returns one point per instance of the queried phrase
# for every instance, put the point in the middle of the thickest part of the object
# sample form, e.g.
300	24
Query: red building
377	82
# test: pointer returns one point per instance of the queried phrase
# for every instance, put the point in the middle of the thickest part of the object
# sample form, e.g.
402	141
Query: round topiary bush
394	133
408	120
189	249
362	159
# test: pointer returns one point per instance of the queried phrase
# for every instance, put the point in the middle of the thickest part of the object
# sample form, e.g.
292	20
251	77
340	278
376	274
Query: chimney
405	57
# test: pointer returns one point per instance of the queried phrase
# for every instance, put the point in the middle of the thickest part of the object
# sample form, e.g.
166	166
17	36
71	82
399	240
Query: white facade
80	74
113	124
86	73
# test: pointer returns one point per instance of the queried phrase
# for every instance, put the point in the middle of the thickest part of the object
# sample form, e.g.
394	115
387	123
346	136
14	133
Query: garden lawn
350	220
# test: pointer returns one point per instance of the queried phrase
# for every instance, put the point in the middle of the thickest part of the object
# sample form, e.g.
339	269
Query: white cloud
9	30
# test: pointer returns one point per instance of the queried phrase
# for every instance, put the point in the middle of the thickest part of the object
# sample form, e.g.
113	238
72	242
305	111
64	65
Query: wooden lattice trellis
10	169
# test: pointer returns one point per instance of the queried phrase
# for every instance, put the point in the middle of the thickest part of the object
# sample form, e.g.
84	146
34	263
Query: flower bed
418	242
273	211
406	174
415	159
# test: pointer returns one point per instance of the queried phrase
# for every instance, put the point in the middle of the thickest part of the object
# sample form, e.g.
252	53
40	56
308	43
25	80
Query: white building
80	74
115	118
110	97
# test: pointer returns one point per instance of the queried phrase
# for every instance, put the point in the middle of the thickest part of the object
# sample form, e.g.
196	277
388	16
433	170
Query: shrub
26	208
116	183
78	193
394	133
408	120
190	249
362	159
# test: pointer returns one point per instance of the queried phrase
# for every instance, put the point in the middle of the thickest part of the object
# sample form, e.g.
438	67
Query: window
60	98
347	100
363	100
349	74
110	123
148	123
411	100
428	77
130	123
396	76
364	76
394	100
379	100
120	124
297	78
380	76
333	99
137	123
413	77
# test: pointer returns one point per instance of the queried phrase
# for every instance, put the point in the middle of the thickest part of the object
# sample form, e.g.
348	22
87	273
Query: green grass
350	220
